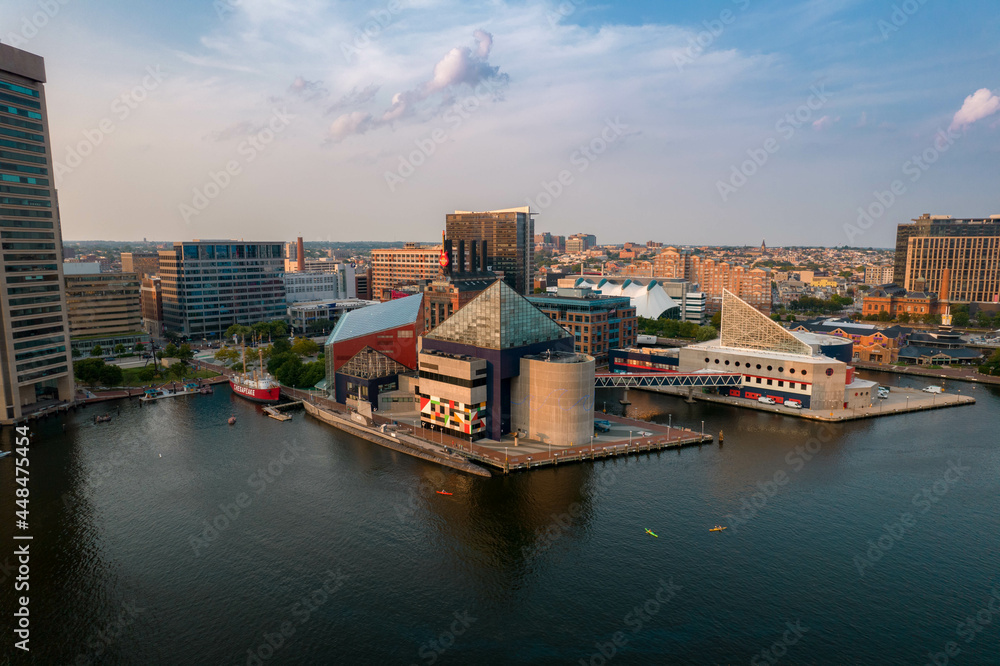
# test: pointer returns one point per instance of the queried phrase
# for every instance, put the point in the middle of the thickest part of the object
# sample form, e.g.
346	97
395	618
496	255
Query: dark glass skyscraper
35	362
509	236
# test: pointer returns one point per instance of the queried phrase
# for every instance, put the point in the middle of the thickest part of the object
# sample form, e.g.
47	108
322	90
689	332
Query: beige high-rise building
104	309
509	235
144	264
36	369
392	267
970	247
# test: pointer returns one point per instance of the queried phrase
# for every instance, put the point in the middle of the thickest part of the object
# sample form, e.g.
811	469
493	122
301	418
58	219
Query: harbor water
167	536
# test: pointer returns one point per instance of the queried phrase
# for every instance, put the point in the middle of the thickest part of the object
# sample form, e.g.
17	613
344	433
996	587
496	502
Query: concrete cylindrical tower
553	398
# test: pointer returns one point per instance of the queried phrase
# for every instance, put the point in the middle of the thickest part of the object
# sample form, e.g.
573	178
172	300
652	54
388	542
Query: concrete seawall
402	443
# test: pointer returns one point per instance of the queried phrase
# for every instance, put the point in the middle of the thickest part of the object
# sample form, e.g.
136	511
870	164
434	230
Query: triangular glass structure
371	364
744	327
498	318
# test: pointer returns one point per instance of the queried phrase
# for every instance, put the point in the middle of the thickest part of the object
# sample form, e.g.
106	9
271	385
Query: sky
716	122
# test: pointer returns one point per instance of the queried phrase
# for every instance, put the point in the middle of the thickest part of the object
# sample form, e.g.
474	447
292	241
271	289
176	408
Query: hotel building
35	363
970	247
392	267
104	308
509	235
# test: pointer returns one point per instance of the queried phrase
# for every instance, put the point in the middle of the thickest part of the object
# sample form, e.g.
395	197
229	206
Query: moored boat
256	386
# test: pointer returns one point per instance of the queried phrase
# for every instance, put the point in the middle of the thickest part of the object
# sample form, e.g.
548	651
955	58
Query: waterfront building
711	277
870	344
969	247
895	301
104	309
938	348
144	264
648	296
508	236
392	267
598	322
777	363
36	367
502	328
388	330
209	285
318	286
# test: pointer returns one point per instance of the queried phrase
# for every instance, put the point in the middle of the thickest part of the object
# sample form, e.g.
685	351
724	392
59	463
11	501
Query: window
758	380
768	382
780	383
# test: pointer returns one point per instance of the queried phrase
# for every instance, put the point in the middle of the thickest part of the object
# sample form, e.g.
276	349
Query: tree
703	334
716	320
792	318
280	346
903	317
119	348
983	319
147	373
176	371
88	371
138	347
239	330
884	316
170	351
76	353
112	375
96	351
184	353
992	364
932	319
305	347
775	317
227	355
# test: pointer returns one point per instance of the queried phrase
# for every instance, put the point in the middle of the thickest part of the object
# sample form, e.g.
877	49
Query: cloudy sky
723	121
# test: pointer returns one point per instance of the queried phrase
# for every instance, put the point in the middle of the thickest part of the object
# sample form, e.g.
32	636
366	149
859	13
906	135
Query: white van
767	401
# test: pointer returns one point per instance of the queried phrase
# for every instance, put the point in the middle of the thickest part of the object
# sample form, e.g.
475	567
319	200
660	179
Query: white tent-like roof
648	297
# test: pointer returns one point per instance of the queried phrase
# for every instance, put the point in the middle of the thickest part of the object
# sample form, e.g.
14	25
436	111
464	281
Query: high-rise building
598	323
970	247
35	362
580	243
509	236
104	308
395	266
151	300
209	285
145	264
363	282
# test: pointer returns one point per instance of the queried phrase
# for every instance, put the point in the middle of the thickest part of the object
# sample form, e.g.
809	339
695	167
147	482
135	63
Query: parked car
109	358
766	400
794	404
602	426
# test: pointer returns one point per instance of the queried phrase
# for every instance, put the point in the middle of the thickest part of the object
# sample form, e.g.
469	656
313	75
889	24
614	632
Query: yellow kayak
717	528
648	531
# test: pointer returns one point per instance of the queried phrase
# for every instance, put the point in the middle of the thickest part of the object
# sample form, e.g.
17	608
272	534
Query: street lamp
703	430
630	438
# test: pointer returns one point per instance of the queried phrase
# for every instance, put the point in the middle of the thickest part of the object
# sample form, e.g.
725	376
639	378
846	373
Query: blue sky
634	120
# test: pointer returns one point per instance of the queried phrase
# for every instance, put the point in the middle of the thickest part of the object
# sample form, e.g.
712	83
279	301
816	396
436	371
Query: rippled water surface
168	536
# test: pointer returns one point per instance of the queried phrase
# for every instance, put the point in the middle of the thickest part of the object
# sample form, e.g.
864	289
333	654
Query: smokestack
300	253
447	252
473	260
485	264
945	285
460	264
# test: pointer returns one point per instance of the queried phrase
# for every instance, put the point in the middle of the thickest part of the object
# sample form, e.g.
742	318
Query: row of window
6	154
9	212
18	134
737	364
17	111
7	143
42	373
48	351
456	381
770	382
38	342
29	224
17	122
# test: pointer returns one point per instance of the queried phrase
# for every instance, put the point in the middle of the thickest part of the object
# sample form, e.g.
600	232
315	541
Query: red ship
258	387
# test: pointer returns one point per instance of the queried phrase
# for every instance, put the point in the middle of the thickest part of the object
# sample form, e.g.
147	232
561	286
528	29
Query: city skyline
195	116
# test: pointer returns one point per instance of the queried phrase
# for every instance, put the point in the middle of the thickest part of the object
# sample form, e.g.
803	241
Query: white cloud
825	122
980	104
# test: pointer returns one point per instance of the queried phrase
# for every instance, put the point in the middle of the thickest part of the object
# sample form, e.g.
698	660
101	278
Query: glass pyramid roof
498	318
745	327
